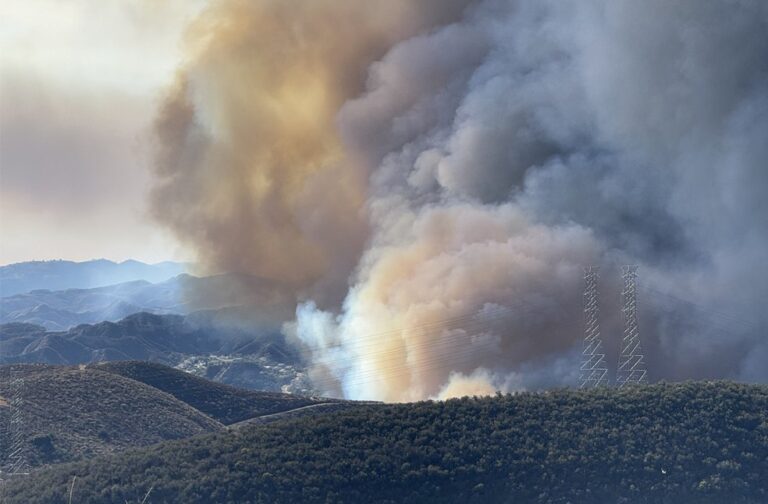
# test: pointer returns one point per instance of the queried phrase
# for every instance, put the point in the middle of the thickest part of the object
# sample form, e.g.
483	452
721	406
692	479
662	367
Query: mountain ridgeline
200	343
698	442
141	336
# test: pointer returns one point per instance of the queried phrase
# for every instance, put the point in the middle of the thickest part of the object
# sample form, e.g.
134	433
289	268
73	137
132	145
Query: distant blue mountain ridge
231	294
24	277
61	309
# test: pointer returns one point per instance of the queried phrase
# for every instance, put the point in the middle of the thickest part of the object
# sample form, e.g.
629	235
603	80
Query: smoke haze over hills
399	166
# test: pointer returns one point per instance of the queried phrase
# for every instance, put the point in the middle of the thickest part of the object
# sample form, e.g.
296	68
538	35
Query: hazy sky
79	84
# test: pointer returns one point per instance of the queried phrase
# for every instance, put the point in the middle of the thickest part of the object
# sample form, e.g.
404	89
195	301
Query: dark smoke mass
427	180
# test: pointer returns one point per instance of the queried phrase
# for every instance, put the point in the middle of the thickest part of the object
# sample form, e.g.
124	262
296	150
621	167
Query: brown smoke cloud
250	169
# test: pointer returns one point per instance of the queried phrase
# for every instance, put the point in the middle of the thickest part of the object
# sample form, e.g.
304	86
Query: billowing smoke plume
457	163
250	167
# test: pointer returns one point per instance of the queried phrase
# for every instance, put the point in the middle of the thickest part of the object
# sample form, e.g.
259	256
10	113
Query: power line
728	319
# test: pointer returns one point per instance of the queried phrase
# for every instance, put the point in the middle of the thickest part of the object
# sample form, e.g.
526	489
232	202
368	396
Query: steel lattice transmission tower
594	371
631	370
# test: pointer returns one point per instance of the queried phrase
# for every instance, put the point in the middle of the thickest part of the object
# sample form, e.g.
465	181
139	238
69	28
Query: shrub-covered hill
71	412
692	443
222	402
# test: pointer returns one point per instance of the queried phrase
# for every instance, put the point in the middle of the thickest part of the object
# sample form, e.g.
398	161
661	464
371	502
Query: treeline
693	443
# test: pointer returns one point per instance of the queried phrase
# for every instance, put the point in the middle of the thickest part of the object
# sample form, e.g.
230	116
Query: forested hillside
704	442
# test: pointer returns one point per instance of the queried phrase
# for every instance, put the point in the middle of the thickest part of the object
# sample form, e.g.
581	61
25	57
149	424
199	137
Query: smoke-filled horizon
426	180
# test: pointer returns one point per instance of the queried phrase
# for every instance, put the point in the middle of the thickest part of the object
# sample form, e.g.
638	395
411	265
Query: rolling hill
71	412
702	442
224	403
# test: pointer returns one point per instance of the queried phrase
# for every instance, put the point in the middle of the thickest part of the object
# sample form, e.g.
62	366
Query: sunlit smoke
250	169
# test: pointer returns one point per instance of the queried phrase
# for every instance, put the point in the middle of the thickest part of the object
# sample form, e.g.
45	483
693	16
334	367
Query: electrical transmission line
631	369
594	372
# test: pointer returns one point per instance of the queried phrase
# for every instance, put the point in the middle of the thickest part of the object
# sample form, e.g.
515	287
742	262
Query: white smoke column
464	287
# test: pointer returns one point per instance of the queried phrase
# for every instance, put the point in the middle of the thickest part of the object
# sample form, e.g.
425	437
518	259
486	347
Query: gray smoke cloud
508	147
